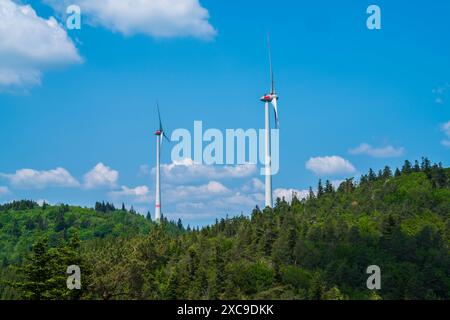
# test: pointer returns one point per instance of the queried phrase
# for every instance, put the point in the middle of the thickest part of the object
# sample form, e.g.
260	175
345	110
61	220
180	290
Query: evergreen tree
328	187
387	173
311	195
416	166
320	190
180	224
426	165
372	176
60	221
406	169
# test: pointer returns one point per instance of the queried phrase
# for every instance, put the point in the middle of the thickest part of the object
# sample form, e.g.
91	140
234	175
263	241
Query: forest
316	248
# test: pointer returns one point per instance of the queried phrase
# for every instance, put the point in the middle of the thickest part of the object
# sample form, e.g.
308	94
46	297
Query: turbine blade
159	117
275	109
272	78
166	137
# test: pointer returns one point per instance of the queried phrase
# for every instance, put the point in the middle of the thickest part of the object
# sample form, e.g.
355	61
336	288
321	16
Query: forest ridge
313	248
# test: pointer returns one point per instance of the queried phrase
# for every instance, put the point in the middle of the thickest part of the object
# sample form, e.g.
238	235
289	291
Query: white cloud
194	193
101	176
329	165
157	18
173	195
30	45
41	202
140	194
254	185
446	129
33	179
235	202
336	183
4	191
288	193
187	170
440	93
383	152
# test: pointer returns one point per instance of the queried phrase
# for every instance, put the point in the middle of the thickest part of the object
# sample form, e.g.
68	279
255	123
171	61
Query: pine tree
416	166
180	224
328	187
15	230
372	176
387	173
426	165
406	169
311	195
60	221
320	190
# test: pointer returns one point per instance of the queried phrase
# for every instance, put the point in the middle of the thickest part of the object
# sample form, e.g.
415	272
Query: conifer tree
406	169
320	190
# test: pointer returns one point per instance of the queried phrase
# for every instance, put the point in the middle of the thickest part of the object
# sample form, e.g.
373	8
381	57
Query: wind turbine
160	134
269	98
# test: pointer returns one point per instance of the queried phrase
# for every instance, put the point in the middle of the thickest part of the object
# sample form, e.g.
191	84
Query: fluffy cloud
157	18
42	201
173	195
329	165
101	176
446	129
34	179
140	194
287	194
193	193
4	191
440	93
187	170
384	152
254	185
231	203
29	45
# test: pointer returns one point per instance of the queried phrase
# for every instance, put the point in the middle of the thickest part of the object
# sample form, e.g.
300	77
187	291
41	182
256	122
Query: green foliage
44	271
315	248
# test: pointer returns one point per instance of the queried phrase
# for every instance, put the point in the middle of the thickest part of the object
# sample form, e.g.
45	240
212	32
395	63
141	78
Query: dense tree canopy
313	248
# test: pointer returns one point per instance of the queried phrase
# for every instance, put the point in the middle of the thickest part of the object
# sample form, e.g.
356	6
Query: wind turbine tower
160	134
269	98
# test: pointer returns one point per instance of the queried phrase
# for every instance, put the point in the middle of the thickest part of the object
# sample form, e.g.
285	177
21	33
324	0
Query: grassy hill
314	248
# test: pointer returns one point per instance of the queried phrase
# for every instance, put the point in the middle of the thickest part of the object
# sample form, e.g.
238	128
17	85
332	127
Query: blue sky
84	100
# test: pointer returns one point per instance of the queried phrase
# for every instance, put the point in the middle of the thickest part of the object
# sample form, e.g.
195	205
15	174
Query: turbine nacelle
269	97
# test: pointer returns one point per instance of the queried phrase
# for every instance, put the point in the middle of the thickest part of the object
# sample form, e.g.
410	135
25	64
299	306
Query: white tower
270	98
158	181
267	158
159	138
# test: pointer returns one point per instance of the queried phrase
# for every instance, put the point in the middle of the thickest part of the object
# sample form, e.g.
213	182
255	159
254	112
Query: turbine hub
267	98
